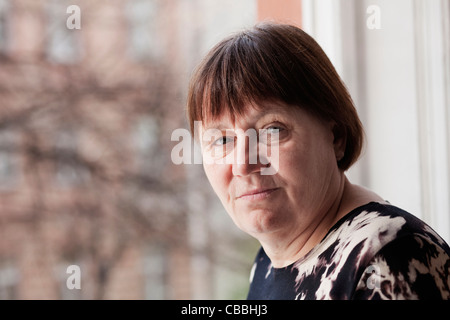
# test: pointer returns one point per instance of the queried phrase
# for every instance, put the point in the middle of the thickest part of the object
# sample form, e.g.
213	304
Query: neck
284	248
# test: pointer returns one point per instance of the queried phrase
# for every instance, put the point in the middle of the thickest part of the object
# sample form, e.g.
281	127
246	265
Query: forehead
250	115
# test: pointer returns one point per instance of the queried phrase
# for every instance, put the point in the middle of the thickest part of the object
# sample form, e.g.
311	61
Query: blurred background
87	112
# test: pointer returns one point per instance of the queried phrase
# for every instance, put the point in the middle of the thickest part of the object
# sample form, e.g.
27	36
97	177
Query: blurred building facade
84	179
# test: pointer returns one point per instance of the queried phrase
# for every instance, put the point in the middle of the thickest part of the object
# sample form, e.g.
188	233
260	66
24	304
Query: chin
259	222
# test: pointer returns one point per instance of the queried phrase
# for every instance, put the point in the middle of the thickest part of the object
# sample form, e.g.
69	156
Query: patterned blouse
376	251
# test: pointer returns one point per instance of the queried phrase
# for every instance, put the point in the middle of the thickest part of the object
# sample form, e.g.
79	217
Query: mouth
257	194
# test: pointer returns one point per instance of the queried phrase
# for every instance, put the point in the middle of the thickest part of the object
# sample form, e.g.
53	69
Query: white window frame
337	25
432	22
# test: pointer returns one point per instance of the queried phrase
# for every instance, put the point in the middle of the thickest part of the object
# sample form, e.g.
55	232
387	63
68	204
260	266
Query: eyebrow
267	110
216	125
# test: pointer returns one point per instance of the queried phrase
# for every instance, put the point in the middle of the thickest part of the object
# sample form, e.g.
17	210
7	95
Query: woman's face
299	183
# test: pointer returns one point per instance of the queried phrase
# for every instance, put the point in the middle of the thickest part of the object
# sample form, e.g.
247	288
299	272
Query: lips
257	194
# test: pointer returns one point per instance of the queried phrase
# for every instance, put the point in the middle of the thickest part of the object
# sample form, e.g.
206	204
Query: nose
246	157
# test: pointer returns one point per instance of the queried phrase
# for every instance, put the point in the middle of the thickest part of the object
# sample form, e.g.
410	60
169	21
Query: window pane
145	40
62	44
4	9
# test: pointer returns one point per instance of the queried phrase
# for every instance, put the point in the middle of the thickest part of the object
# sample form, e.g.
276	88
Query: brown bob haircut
279	63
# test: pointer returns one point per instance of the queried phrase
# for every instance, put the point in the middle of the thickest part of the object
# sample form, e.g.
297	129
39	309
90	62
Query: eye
274	129
272	133
222	141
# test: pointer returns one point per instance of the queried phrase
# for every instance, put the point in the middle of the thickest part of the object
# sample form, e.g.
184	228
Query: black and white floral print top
376	251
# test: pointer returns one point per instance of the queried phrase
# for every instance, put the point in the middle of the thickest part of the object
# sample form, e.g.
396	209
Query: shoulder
405	256
375	225
409	267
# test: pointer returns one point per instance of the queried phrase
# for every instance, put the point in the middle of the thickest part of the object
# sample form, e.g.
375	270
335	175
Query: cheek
306	165
293	161
219	177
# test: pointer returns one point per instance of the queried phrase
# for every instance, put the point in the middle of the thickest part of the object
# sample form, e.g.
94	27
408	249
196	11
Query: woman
321	236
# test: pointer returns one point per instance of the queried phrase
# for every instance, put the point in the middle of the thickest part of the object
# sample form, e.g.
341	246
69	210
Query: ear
340	140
